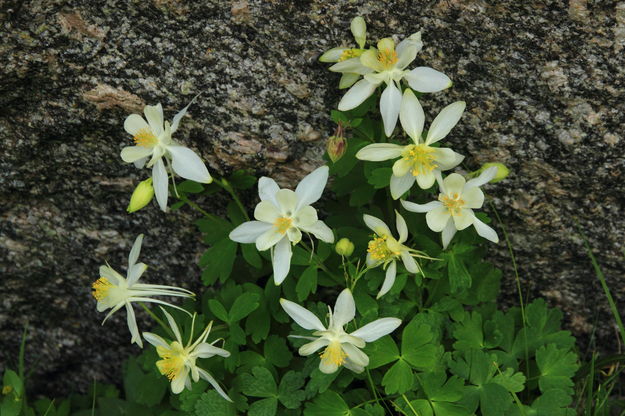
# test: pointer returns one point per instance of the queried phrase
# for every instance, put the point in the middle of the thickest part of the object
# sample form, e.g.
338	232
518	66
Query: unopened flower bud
502	171
337	145
359	30
142	195
344	247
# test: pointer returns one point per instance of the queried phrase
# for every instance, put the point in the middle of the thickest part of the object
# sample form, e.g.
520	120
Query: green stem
373	389
223	183
320	264
409	405
157	319
196	207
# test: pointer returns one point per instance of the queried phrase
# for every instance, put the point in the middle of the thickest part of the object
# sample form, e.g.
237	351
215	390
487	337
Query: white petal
389	279
401	184
269	239
135	272
448	233
485	231
180	114
355	355
134	123
359	30
187	164
302	316
132	326
390	103
310	188
353	366
402	228
351	66
425	180
178	383
473	197
445	121
206	376
377	329
409	262
160	181
249	231
327	367
140	163
484	177
347	80
412	207
454	184
312	347
424	79
205	350
130	154
369	58
320	230
380	151
332	55
305	216
412	40
376	225
401	167
294	235
173	325
437	218
266	212
411	115
287	201
406	54
356	95
111	275
447	158
155	340
135	251
344	309
281	260
154	116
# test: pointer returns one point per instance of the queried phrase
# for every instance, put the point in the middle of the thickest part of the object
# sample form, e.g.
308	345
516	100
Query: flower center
379	250
421	159
173	359
452	202
283	224
349	54
387	57
101	288
145	138
334	354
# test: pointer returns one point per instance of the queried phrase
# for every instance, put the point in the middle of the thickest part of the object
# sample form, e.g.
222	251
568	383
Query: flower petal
310	188
473	197
160	181
302	316
287	201
176	120
267	189
447	158
401	167
154	116
135	251
269	239
484	177
412	40
437	218
312	347
130	154
485	231
465	218
454	184
351	66
409	262
305	216
173	325
132	326
425	79
134	123
378	152
355	355
390	103
344	309
406	54
206	350
355	96
389	279
332	55
448	233
281	260
425	180
401	184
402	228
327	367
377	329
320	230
347	80
187	164
411	116
358	26
249	231
155	340
376	225
294	235
412	207
445	121
179	381
206	376
369	58
135	272
267	212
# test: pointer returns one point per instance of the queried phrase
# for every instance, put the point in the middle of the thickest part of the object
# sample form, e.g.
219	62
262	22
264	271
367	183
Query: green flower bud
142	195
502	171
336	147
344	247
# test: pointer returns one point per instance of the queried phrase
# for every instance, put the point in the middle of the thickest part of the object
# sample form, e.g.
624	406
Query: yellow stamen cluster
101	288
349	54
171	364
283	224
379	249
421	159
387	57
145	138
453	202
334	354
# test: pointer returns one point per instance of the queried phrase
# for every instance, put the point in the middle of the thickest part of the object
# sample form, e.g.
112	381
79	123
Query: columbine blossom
454	209
113	291
282	216
384	250
387	64
349	55
418	161
341	348
177	359
153	141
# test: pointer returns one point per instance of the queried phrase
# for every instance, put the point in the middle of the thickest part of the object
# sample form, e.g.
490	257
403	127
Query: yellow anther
421	159
334	354
453	203
145	138
283	224
379	249
101	288
172	361
386	53
349	54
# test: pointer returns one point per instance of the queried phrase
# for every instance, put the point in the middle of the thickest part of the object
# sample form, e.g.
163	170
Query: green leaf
345	164
361	195
551	403
459	277
142	388
188	398
11	379
398	379
495	400
380	177
381	352
438	388
277	352
327	404
289	392
367	306
511	381
211	403
264	407
420	406
237	335
251	256
111	406
214	229
469	333
557	367
257	324
218	310
307	283
189	187
218	260
449	409
245	304
258	384
417	348
241	179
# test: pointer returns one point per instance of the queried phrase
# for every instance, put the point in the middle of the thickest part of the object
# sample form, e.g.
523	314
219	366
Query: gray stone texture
543	82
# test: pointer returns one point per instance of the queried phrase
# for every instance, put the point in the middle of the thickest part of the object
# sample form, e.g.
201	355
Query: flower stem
320	263
196	207
157	319
223	183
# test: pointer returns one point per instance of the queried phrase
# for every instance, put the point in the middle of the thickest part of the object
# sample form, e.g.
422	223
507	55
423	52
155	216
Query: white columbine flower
387	64
153	140
177	359
112	290
418	161
342	54
384	250
282	216
454	209
341	348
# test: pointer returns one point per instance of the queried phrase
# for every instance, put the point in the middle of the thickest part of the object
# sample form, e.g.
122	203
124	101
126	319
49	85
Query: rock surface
543	82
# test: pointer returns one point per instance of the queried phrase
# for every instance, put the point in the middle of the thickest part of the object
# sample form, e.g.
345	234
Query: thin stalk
319	263
95	385
223	183
409	405
199	209
158	320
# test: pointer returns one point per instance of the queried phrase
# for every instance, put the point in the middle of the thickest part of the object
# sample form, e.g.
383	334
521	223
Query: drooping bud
359	30
142	195
337	145
344	247
502	171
